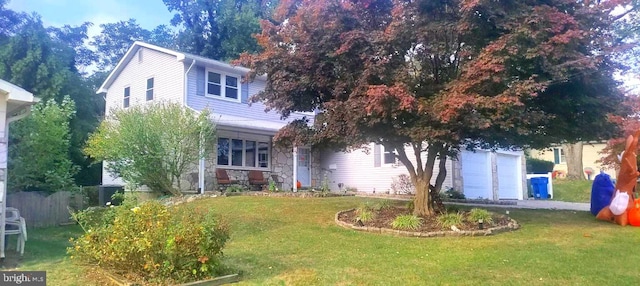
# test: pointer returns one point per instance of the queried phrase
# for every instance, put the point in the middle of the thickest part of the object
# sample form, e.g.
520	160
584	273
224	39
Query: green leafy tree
41	148
219	29
437	76
153	145
115	39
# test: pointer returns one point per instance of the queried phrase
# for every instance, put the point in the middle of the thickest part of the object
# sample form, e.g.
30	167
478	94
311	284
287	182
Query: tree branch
402	155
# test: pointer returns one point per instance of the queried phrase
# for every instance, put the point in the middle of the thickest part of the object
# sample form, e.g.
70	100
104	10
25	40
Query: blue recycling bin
539	185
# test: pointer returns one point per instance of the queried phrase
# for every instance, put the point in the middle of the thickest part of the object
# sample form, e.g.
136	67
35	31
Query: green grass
46	249
294	241
572	190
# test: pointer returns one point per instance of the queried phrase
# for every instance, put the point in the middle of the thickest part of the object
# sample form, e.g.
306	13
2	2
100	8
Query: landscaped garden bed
399	220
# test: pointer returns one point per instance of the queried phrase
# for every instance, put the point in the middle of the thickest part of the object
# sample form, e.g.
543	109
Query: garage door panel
476	174
509	183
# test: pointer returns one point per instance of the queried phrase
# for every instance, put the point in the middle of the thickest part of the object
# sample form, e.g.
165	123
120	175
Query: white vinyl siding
168	85
168	80
356	169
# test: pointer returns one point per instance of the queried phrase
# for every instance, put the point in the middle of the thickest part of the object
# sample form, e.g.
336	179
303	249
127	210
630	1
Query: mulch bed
383	219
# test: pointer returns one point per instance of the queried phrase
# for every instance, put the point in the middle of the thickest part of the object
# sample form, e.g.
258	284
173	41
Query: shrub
402	185
480	214
539	166
450	219
365	215
383	205
407	222
234	189
410	205
451	193
151	242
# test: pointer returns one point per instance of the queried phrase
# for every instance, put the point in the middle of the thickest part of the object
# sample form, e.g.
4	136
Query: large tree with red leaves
438	76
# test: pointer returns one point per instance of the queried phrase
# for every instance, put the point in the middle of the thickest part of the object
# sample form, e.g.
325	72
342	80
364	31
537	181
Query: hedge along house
15	104
148	73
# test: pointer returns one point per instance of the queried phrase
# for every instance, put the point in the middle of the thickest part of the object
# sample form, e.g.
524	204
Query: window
558	156
243	153
389	157
127	96
140	56
149	89
224	86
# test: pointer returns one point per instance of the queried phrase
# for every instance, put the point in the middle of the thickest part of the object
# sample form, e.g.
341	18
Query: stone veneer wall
282	165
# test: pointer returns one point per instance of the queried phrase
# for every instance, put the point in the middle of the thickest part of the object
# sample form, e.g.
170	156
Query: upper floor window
150	89
127	96
221	85
140	56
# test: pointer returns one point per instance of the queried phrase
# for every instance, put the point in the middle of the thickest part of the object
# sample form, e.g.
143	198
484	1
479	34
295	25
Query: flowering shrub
152	242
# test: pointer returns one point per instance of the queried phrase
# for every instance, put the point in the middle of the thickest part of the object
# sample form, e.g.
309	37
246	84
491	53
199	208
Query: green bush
407	222
365	215
451	193
410	205
151	242
539	166
450	219
234	189
383	205
480	214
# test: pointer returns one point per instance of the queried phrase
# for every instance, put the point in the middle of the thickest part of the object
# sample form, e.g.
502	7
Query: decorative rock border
513	225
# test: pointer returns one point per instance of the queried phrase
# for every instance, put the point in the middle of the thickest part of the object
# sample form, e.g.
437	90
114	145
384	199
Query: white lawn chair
15	224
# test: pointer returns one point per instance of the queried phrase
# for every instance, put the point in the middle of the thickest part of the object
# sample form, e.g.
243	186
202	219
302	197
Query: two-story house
149	73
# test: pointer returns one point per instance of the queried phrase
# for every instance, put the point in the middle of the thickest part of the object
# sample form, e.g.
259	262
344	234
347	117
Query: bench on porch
256	178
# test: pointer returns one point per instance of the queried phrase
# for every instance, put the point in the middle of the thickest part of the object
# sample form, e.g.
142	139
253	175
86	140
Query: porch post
201	175
295	168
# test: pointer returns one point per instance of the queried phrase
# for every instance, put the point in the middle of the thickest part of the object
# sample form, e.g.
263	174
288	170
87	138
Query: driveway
536	204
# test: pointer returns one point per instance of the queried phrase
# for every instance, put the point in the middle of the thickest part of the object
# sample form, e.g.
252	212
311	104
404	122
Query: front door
304	173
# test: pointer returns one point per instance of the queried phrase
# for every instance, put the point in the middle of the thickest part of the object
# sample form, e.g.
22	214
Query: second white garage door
509	177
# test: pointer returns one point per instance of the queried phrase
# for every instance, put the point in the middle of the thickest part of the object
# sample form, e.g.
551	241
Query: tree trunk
422	204
573	157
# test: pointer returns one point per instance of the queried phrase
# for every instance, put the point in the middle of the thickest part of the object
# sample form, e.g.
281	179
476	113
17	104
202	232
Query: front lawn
578	191
294	241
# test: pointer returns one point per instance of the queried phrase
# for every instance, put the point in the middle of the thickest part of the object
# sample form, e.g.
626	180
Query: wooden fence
40	210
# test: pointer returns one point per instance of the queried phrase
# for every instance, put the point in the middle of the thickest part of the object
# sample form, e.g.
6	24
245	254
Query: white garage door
509	176
476	174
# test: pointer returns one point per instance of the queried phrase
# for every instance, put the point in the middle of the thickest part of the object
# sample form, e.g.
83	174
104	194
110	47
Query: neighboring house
149	73
590	154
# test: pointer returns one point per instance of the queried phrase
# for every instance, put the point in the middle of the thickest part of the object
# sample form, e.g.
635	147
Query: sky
148	13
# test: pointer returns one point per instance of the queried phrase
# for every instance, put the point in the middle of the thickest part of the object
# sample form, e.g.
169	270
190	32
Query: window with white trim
127	97
558	156
223	86
150	89
389	157
243	153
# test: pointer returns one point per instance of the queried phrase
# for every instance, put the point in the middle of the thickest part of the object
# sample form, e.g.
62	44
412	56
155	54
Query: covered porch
245	147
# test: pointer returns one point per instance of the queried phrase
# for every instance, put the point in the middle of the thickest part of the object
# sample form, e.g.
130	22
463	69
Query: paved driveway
537	204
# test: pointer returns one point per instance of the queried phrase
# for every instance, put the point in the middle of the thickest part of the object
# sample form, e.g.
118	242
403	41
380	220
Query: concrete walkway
536	204
524	204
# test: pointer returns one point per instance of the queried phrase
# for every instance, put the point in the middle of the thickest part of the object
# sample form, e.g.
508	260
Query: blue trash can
540	191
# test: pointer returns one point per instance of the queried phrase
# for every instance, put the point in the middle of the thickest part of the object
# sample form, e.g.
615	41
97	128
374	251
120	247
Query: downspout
184	100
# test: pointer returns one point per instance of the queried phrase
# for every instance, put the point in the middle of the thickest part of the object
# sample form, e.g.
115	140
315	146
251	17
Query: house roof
180	57
18	97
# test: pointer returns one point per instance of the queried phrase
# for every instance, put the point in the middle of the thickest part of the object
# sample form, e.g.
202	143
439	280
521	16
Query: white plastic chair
15	224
